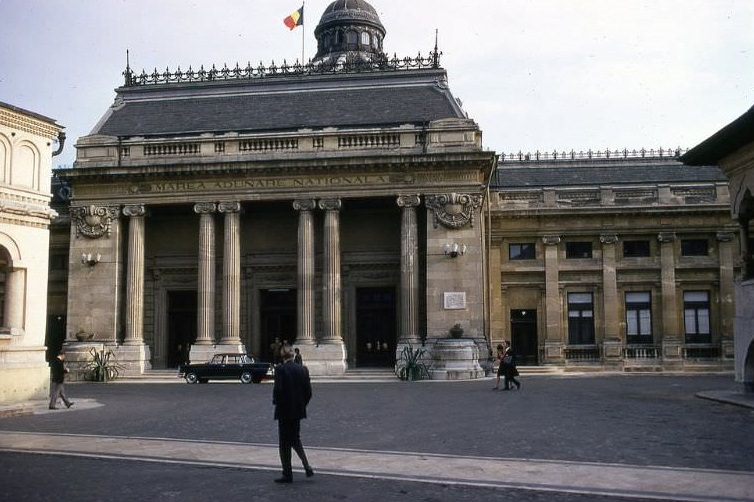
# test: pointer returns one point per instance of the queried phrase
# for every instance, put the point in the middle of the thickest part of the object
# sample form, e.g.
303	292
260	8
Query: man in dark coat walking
57	385
290	395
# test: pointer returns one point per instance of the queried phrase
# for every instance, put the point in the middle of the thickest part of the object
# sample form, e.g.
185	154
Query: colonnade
231	272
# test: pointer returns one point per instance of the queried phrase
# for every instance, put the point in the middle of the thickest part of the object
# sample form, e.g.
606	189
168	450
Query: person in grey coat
290	395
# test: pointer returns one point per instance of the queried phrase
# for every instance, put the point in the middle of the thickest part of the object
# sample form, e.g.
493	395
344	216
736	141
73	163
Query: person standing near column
290	395
57	386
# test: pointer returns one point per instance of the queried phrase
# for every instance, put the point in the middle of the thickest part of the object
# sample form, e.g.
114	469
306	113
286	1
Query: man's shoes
69	404
309	472
284	479
53	408
518	386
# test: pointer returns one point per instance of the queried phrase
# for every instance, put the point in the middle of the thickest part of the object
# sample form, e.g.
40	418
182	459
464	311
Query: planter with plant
102	367
411	365
456	331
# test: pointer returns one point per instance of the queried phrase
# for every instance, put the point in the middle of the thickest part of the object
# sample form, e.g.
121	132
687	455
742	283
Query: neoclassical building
335	205
349	207
26	150
612	260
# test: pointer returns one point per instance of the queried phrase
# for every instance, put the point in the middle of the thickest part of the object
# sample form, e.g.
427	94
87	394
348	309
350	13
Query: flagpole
303	29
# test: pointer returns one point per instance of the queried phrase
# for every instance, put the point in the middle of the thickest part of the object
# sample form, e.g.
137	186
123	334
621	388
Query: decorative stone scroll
93	221
666	237
550	240
608	238
453	210
408	200
205	207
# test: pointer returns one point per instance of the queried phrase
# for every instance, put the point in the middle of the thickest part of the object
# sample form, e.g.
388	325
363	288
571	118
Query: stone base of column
202	353
455	359
323	359
133	358
554	352
231	347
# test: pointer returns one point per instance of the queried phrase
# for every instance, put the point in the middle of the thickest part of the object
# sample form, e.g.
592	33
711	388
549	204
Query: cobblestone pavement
561	439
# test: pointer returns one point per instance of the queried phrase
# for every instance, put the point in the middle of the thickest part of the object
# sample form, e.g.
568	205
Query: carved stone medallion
93	221
454	210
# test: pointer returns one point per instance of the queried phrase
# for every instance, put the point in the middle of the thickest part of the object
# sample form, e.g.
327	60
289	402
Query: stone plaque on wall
454	301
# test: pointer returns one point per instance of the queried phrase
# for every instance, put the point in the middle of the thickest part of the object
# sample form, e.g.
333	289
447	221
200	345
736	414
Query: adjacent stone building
612	260
26	150
732	148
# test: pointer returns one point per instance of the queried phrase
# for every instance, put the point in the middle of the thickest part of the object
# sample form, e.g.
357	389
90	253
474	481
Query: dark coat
57	370
292	391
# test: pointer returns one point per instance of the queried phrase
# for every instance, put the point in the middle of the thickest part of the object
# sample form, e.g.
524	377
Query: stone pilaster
553	332
725	242
409	270
205	338
231	336
671	335
305	291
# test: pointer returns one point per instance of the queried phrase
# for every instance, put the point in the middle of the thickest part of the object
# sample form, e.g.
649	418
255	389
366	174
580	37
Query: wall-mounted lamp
90	259
454	249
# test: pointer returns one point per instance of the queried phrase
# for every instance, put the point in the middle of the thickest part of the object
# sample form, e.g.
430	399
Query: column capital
330	204
609	238
725	236
304	204
134	210
551	240
666	237
205	207
227	207
412	200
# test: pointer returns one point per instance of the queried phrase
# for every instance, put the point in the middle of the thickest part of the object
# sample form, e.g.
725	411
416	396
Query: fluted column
331	293
305	291
206	291
231	272
409	269
135	275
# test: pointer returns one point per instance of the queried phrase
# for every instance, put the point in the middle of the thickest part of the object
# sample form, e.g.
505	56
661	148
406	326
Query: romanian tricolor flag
295	19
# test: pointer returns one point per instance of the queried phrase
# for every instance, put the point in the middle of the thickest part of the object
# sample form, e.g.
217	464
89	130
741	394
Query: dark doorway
277	313
524	336
375	327
181	326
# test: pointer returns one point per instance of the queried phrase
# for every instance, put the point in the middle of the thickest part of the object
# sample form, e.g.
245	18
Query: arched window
365	39
351	38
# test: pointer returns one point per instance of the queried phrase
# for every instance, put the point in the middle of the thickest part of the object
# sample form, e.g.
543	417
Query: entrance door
375	327
524	336
182	312
277	320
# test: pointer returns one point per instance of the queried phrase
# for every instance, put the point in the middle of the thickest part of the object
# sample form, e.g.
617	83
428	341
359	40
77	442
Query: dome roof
349	30
349	11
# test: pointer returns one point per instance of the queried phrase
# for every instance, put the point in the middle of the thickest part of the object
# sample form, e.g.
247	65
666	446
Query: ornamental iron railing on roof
642	153
353	64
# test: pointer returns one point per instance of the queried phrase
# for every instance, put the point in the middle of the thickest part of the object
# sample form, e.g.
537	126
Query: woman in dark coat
509	368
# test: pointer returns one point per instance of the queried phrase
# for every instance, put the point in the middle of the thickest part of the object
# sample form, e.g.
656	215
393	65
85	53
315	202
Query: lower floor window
638	318
580	319
696	316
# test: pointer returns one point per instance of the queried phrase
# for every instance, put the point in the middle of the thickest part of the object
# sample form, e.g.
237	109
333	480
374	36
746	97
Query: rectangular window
580	319
696	316
523	251
635	249
694	247
638	318
576	250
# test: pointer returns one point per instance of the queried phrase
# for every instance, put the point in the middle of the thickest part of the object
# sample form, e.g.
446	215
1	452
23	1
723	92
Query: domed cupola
348	30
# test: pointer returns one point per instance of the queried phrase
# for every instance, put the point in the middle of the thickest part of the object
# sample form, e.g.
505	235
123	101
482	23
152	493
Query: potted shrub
456	331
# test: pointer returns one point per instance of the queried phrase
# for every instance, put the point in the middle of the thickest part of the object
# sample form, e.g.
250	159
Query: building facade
732	148
612	260
314	204
348	206
26	150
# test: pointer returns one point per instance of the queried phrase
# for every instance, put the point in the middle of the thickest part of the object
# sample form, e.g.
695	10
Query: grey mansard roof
534	174
281	103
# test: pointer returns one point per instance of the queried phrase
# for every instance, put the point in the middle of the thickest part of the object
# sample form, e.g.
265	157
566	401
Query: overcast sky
534	74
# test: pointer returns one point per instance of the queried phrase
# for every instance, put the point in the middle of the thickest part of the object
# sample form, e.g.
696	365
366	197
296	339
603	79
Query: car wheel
245	377
191	378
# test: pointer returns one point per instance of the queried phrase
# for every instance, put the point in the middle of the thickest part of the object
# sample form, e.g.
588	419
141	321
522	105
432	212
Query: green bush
102	367
410	364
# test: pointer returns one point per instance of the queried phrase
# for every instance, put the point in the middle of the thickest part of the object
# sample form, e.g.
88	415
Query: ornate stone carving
229	207
608	238
666	237
551	240
134	210
93	221
330	204
304	204
454	210
205	207
408	200
725	236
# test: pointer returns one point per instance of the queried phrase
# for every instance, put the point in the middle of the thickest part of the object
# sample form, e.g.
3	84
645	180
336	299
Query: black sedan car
227	367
